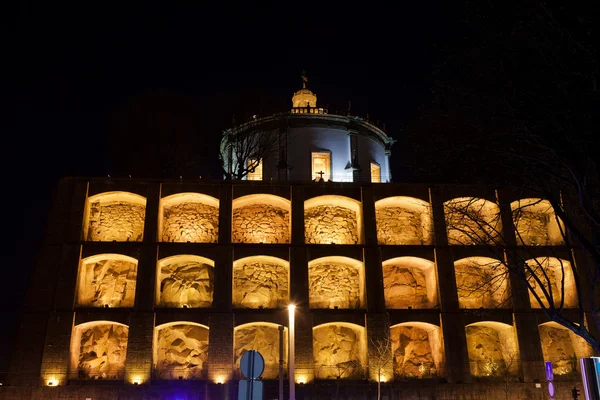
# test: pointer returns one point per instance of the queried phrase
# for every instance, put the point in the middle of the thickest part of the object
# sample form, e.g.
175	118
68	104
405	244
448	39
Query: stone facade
186	282
490	354
102	350
118	221
412	353
107	282
260	223
334	285
260	284
263	338
558	348
472	221
399	225
326	224
536	223
181	352
482	282
190	222
405	286
339	352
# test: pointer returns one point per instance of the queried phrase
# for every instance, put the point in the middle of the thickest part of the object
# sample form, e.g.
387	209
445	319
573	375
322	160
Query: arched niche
261	218
264	338
472	221
114	217
536	223
562	347
551	272
417	350
332	220
180	350
482	282
185	280
189	217
260	282
409	282
107	280
99	350
339	351
336	282
493	349
403	221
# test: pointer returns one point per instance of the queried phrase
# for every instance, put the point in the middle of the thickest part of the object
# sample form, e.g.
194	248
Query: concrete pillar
64	295
299	277
223	277
379	347
225	213
453	321
220	349
146	278
371	254
304	368
56	356
151	221
297	215
138	364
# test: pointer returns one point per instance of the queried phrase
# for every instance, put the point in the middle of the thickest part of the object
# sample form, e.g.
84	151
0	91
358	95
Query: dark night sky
89	84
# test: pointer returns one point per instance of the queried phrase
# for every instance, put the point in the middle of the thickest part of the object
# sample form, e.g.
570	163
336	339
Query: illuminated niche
403	221
332	220
336	282
107	280
549	271
563	348
261	218
264	338
493	349
260	282
536	223
99	349
185	281
409	282
482	282
339	351
321	166
256	173
472	221
114	216
180	350
417	350
189	217
375	172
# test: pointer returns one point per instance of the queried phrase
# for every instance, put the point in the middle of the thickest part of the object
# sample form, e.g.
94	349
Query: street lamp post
291	311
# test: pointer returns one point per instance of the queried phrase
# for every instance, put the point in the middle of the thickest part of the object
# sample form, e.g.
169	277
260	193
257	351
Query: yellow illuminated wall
261	218
472	221
493	349
536	223
551	272
185	281
260	282
409	282
180	350
482	282
264	338
332	219
403	220
114	216
339	351
336	282
189	217
417	350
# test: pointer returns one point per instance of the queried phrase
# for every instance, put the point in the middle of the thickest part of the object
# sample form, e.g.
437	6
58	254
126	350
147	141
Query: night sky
101	90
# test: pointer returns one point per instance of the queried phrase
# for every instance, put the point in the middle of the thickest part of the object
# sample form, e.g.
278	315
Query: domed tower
307	143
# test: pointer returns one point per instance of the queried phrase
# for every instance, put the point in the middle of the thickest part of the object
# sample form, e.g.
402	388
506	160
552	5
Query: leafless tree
244	147
380	358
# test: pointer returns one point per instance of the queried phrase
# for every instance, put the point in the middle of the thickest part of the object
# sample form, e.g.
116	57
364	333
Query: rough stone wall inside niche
482	285
337	352
412	353
405	287
116	221
182	351
472	223
258	223
102	351
334	285
486	352
330	224
107	282
190	222
265	340
260	284
187	282
558	348
532	227
401	226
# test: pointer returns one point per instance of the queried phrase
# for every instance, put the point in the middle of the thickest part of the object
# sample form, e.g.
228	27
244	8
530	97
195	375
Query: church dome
304	97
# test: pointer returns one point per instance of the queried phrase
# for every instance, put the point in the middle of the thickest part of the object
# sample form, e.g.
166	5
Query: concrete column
220	349
299	277
146	278
455	347
369	219
297	215
56	356
304	370
373	280
138	364
64	295
72	220
223	279
530	347
151	222
379	347
225	213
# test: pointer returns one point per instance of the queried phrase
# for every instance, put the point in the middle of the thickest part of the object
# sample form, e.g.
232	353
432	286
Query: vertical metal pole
291	309
280	362
590	376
